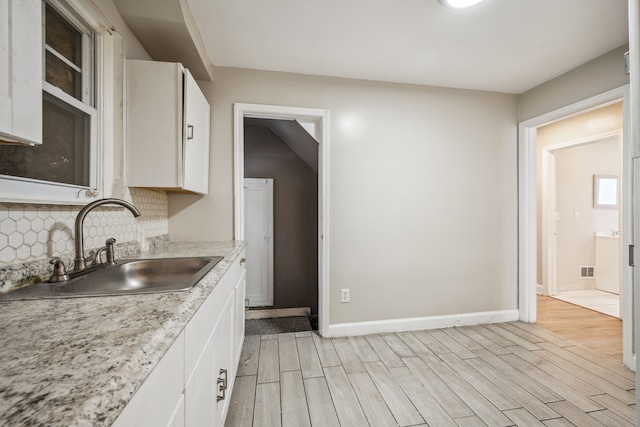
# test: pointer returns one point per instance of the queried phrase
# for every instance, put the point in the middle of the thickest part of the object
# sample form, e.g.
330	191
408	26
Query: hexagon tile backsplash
29	231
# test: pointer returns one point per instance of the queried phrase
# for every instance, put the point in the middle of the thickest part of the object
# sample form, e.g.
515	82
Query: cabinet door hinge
627	66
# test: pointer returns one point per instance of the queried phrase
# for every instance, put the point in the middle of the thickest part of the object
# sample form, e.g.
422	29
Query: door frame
548	241
527	208
321	119
267	184
549	207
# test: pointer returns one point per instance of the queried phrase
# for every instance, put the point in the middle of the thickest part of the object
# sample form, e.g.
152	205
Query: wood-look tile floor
507	374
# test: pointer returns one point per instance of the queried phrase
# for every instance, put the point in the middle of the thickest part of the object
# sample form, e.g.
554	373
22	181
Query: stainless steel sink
138	276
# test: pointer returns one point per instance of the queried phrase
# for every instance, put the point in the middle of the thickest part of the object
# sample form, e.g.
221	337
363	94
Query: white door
258	195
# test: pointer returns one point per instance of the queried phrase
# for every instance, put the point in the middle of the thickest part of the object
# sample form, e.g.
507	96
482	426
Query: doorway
283	153
578	240
529	184
316	123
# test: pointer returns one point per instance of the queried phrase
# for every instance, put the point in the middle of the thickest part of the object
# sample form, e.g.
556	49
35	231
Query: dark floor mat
278	325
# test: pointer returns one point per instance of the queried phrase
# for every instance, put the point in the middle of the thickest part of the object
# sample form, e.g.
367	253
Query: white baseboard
418	323
576	287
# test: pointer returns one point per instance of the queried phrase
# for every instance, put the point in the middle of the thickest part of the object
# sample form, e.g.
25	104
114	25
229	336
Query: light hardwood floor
503	374
592	329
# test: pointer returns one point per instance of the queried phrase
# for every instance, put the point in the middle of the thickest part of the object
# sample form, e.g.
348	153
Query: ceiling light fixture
459	4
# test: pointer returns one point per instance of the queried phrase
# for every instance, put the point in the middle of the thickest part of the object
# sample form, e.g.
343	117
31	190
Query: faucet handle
59	271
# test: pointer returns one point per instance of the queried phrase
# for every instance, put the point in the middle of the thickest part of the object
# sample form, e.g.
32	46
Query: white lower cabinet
200	390
192	384
224	368
178	416
159	398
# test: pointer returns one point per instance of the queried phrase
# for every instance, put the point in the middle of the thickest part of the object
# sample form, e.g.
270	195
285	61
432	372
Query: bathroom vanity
607	271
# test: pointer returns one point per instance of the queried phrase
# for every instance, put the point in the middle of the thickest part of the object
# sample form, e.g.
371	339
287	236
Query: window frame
96	31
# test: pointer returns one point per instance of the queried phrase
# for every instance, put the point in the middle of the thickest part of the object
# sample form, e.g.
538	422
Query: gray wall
423	191
593	78
295	194
423	184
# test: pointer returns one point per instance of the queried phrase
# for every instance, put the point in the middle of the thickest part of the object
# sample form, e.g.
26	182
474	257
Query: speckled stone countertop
78	361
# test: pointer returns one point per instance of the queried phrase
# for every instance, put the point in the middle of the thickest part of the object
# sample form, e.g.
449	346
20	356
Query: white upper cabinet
167	128
21	71
196	149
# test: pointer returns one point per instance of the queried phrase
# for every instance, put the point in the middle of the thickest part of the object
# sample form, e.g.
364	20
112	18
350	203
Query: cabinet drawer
238	266
242	258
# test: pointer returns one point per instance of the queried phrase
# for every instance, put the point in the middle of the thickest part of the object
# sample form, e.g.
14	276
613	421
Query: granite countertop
78	361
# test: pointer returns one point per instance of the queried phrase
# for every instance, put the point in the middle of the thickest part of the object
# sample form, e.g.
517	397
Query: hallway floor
592	329
593	299
497	375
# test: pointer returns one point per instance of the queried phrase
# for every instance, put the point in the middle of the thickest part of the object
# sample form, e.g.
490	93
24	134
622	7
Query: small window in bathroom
605	191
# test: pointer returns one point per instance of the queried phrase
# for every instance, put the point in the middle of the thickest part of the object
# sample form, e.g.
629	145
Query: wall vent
587	272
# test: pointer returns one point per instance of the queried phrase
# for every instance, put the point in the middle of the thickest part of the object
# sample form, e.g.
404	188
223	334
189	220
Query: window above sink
71	164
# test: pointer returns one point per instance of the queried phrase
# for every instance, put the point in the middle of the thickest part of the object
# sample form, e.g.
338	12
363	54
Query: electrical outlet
344	295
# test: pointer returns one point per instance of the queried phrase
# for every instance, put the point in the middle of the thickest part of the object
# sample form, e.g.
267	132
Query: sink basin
138	276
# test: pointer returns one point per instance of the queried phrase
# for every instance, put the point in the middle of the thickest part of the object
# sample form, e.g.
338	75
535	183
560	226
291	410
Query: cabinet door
21	71
196	137
178	416
200	390
154	124
157	401
223	365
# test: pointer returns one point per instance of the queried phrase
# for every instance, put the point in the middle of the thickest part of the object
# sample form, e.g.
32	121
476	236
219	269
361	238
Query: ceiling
500	45
294	136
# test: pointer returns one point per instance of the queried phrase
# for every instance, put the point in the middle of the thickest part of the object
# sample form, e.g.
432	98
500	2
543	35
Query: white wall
423	204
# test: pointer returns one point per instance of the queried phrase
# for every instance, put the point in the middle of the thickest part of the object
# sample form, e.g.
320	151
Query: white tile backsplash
29	232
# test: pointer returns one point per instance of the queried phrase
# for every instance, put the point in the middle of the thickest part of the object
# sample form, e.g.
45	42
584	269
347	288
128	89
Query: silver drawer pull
222	385
243	260
189	131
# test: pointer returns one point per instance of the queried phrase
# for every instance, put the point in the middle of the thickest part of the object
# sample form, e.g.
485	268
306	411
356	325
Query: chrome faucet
79	262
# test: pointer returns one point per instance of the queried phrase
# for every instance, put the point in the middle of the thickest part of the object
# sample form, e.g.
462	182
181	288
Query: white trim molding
420	323
321	119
